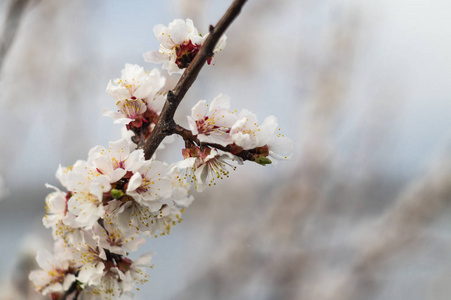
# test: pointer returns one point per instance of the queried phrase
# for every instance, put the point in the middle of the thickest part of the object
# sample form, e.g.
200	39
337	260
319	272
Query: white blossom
214	126
180	190
55	206
128	111
138	96
202	167
115	161
135	83
149	184
179	43
137	271
117	240
88	205
90	258
57	270
247	134
69	231
164	220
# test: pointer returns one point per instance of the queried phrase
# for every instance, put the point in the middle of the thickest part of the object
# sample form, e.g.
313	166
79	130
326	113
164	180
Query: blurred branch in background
338	225
12	23
397	231
297	238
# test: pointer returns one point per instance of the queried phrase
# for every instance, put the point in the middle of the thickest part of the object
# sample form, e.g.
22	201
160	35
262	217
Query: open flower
129	111
115	161
138	96
248	134
117	240
135	83
179	44
55	206
214	126
265	139
87	205
150	184
203	166
90	258
57	271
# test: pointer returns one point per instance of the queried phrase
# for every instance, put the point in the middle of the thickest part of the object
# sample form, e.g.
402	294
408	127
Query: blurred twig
402	225
12	23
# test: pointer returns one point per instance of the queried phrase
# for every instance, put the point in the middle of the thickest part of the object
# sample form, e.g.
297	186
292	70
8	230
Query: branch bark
166	124
187	135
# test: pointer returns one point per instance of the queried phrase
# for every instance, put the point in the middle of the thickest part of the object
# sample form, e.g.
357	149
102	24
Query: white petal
135	160
220	45
243	140
134	183
267	130
91	274
192	125
134	244
179	31
172	67
112	114
117	92
156	57
143	261
199	110
186	163
119	149
45	260
123	121
68	280
220	102
281	147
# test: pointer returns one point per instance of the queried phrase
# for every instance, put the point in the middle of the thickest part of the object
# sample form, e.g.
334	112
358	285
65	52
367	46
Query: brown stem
187	135
165	125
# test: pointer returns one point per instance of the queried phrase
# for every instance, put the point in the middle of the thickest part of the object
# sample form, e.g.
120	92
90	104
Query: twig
187	135
166	124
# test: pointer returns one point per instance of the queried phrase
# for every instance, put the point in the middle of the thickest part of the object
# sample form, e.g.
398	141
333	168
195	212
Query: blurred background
361	211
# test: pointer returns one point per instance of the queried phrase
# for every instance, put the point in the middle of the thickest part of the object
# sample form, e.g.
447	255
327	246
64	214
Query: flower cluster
115	199
239	131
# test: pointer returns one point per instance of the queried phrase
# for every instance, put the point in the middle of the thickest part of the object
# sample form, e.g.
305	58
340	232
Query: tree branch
187	135
166	121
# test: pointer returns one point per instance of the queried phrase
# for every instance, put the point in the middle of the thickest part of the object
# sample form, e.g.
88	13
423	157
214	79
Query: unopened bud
262	160
116	194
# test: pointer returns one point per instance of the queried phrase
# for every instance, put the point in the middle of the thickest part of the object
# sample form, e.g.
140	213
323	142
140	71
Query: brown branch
187	135
166	124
